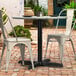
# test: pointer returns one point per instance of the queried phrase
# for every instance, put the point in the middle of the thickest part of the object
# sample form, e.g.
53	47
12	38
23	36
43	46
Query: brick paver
69	62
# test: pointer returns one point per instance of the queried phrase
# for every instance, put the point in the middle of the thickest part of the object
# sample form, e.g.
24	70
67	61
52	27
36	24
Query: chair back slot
1	25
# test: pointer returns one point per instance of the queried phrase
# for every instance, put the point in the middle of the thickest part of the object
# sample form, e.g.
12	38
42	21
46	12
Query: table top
39	17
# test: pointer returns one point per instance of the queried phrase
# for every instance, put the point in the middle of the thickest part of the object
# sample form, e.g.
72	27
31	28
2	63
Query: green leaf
67	6
21	32
72	4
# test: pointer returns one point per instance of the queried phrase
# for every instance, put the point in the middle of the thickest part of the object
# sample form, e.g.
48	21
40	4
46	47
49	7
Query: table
41	62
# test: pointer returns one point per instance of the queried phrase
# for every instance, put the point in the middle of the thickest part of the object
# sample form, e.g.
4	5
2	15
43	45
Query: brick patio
69	62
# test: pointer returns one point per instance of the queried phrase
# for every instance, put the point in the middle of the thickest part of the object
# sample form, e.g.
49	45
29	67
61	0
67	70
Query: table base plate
44	63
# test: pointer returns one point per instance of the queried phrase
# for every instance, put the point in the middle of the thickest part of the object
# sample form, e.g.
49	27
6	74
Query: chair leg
61	47
73	48
46	47
30	51
8	54
61	52
2	53
22	49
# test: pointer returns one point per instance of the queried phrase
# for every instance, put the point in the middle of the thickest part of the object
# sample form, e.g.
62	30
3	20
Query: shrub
21	32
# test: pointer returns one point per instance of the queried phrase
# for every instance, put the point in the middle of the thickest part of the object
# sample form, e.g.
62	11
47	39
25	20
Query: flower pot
28	12
39	13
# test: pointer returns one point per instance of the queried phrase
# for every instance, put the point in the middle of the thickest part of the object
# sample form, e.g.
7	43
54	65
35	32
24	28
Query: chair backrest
3	28
69	19
1	25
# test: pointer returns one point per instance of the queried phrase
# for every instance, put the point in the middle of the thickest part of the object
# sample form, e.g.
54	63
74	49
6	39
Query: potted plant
28	6
37	10
28	11
21	32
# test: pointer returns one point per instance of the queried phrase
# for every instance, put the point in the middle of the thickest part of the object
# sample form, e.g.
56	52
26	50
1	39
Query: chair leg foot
6	70
75	58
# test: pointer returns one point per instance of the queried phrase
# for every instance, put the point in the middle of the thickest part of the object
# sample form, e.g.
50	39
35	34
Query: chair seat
58	35
19	39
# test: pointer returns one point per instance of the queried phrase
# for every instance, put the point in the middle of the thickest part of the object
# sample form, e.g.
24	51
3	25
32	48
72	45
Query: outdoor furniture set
21	42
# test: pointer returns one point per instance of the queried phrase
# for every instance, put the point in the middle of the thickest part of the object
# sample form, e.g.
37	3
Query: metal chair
10	42
61	38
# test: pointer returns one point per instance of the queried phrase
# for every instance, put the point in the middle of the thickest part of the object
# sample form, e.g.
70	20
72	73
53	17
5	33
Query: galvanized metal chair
11	42
61	38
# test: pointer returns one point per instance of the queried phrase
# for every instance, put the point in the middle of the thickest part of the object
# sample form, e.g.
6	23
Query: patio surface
69	62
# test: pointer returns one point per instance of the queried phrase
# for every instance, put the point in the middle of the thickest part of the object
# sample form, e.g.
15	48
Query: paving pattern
69	68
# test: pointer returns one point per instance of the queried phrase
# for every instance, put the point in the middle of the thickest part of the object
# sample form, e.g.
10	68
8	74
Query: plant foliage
71	5
37	9
29	4
21	32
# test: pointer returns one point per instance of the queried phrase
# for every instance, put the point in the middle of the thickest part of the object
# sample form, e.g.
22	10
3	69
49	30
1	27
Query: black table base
44	63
